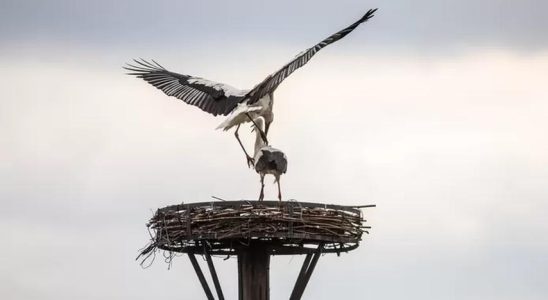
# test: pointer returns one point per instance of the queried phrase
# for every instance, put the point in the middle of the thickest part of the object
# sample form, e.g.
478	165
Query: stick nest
225	227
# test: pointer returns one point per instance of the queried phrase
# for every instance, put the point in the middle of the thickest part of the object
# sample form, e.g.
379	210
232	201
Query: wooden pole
253	272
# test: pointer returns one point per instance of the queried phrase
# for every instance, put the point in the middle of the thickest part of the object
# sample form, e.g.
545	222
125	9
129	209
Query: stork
268	160
221	99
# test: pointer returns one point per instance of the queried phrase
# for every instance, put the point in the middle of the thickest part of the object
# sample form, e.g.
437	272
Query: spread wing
272	81
212	97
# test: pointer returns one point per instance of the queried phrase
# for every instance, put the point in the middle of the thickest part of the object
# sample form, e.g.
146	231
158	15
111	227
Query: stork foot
250	161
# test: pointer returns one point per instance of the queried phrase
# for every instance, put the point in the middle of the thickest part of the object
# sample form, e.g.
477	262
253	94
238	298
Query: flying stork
221	99
268	160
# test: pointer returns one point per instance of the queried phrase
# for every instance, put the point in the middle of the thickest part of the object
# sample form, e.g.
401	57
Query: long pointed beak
266	129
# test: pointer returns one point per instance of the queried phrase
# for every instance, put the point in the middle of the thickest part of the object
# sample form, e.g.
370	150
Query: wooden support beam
201	277
305	274
214	275
302	273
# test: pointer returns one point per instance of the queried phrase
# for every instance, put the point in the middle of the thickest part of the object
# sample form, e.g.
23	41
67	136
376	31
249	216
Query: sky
435	111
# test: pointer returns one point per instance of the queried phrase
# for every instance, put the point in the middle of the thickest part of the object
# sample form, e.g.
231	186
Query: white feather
225	88
238	116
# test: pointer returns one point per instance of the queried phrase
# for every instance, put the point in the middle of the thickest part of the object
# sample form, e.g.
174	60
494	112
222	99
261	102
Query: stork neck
259	142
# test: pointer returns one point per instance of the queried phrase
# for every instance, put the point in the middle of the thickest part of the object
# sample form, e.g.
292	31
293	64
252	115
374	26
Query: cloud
451	149
424	26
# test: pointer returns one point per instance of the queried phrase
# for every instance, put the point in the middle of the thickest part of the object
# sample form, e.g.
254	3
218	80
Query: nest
227	227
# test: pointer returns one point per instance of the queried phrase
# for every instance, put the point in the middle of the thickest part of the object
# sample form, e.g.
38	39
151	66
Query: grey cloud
459	177
437	25
452	149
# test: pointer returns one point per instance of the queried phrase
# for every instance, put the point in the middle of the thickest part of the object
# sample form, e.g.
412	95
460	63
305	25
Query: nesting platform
226	227
253	231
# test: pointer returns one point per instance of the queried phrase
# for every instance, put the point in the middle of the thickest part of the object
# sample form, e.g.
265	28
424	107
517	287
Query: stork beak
267	126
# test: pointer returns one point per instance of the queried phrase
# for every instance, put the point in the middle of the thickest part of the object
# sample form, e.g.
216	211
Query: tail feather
239	112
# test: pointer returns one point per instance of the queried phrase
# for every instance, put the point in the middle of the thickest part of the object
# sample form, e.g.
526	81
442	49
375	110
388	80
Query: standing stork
268	160
221	99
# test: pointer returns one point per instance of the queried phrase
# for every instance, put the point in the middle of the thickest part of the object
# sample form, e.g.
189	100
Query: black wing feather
214	98
272	81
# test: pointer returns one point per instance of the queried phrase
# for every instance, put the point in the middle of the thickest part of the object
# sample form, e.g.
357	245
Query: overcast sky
436	111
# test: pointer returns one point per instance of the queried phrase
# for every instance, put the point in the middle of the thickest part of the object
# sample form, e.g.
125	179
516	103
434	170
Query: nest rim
284	217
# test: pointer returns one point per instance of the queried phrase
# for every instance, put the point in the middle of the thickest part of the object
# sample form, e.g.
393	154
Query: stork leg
261	132
279	189
261	195
250	161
